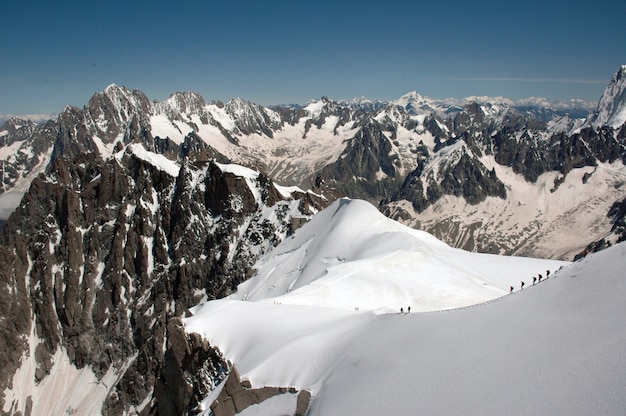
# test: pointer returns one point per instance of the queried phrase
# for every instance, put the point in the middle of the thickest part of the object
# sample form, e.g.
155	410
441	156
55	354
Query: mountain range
128	213
432	164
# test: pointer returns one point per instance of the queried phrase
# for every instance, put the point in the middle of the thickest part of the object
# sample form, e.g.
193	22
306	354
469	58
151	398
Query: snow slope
553	348
557	348
350	247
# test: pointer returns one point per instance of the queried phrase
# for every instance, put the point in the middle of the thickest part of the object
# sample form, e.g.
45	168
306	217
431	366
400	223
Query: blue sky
58	53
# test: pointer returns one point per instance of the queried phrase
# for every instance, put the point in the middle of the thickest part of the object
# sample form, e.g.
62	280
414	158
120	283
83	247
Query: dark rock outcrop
367	168
193	368
103	255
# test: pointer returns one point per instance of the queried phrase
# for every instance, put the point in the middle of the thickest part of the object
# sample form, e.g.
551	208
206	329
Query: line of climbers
535	280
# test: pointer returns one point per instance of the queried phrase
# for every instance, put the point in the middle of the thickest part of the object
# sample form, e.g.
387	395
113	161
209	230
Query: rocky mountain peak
364	104
250	118
187	102
118	247
611	110
15	126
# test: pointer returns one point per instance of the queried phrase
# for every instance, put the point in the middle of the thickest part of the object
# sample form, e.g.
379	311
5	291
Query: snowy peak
187	102
111	112
124	99
250	118
472	361
324	105
351	256
15	124
611	109
417	104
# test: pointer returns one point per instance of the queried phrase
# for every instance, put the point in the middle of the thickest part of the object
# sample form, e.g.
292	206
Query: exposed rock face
611	109
382	146
27	149
103	255
192	369
253	119
460	173
187	359
366	168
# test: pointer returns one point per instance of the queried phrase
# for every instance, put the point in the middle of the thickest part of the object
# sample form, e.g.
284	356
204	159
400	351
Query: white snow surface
350	247
157	160
553	348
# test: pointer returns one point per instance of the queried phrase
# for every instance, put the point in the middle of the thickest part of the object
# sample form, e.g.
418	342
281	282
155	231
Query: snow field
66	390
554	348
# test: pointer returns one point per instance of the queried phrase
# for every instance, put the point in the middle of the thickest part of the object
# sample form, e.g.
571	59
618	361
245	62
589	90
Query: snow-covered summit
611	109
417	104
351	256
363	103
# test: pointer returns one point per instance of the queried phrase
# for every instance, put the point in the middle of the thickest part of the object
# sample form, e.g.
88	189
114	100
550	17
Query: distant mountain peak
417	104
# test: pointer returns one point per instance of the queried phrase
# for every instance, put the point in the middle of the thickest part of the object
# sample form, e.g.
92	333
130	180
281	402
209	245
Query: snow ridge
352	245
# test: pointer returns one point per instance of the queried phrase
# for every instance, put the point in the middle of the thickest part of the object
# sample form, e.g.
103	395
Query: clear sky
57	53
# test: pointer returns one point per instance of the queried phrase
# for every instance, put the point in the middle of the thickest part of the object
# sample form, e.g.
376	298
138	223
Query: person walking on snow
522	285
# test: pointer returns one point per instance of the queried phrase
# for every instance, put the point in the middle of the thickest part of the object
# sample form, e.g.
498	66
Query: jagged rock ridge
99	256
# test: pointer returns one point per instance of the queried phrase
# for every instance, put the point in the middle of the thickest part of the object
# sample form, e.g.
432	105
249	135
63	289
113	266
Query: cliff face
101	255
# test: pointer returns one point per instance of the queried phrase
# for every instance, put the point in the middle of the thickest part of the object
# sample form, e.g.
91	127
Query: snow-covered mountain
611	109
552	348
134	211
544	179
366	149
